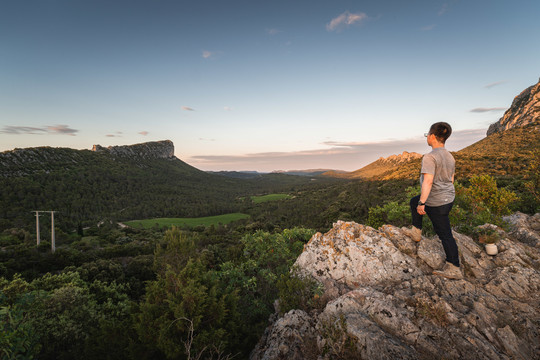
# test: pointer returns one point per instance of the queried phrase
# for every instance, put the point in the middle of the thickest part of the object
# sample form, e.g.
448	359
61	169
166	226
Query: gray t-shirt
442	165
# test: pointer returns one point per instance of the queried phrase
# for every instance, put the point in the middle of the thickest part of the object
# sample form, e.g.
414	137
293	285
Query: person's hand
421	209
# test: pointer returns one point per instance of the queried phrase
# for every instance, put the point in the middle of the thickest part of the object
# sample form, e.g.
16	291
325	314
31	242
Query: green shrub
532	184
398	214
486	235
482	202
297	292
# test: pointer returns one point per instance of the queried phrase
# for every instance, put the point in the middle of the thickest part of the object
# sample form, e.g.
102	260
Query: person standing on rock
437	197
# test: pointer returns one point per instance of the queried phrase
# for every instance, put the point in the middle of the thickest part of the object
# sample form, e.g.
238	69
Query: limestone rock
401	241
384	303
525	228
383	165
22	162
289	338
525	109
432	252
401	158
150	150
355	254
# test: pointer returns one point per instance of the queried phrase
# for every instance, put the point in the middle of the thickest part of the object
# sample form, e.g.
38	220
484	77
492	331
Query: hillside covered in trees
86	187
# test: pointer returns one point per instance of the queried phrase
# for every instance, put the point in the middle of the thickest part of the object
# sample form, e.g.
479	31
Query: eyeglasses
426	134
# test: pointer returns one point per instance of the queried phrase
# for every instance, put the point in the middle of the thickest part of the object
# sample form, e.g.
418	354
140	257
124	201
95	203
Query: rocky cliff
525	109
150	150
22	162
381	300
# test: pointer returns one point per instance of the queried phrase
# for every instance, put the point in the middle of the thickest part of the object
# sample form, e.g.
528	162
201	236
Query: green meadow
269	197
168	222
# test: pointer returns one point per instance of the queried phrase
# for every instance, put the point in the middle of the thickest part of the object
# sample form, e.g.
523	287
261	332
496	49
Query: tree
186	289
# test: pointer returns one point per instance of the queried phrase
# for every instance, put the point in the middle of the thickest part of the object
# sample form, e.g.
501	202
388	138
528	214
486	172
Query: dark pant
441	224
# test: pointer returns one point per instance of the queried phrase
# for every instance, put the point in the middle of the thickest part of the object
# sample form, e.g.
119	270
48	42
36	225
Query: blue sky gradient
261	85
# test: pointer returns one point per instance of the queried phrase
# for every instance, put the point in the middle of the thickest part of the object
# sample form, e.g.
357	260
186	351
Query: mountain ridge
525	109
163	149
378	167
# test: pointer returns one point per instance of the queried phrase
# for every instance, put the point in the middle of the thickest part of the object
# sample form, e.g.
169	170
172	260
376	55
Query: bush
391	213
482	202
532	184
297	292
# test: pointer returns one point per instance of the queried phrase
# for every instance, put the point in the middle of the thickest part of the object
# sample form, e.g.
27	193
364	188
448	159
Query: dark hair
441	130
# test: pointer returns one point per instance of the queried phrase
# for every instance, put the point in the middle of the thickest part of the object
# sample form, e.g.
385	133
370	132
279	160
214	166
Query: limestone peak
163	149
525	109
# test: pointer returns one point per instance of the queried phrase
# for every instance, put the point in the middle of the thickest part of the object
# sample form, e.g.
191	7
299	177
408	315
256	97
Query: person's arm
426	189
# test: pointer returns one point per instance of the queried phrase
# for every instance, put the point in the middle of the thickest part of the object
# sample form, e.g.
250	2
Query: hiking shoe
449	271
414	233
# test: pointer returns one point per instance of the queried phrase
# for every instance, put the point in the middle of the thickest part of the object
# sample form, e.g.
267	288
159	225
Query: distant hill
506	151
122	182
307	172
238	174
379	167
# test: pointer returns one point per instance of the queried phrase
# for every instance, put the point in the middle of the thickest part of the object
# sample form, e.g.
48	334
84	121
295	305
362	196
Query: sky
262	85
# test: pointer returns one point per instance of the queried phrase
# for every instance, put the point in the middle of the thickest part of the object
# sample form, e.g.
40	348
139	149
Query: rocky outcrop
381	300
401	158
525	228
525	109
150	150
380	167
21	162
43	160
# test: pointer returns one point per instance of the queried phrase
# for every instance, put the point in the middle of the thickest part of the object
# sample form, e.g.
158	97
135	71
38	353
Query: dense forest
85	188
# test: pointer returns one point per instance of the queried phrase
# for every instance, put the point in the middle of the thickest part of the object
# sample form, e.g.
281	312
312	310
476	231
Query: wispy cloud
273	31
335	155
428	27
483	110
443	9
21	130
27	130
187	108
489	86
143	133
205	139
227	108
345	20
207	54
61	129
